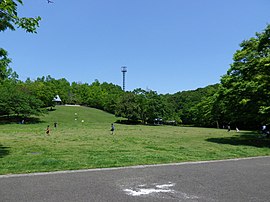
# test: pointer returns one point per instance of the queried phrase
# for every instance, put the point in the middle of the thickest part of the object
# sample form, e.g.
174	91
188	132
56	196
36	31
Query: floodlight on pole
124	70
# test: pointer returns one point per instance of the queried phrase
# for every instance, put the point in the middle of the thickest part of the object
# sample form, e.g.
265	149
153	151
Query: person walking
112	128
48	130
229	127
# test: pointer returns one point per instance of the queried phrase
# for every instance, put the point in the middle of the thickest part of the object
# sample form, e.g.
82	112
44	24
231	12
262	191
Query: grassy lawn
74	144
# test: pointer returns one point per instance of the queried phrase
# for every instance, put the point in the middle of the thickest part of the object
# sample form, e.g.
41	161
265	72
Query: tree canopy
245	89
9	18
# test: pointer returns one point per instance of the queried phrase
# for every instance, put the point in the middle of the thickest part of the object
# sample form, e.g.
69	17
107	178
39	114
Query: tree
113	92
154	107
43	91
245	89
128	107
145	106
185	101
80	93
17	99
13	100
9	17
4	63
208	112
96	95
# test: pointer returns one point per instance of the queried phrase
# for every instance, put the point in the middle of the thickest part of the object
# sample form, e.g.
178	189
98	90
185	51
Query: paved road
233	180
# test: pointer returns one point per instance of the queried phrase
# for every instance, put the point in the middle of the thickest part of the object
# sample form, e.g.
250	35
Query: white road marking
141	190
145	191
164	186
158	191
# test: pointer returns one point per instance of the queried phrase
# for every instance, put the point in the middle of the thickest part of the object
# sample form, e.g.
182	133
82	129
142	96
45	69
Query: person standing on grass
48	130
229	127
112	128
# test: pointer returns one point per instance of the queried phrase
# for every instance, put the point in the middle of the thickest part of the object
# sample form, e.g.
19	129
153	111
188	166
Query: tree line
33	97
241	99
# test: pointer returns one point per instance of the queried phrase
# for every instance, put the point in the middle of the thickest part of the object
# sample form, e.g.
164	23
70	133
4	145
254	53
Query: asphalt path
231	180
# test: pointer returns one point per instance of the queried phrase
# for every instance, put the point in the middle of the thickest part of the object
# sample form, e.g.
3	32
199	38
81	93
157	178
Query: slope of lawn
82	139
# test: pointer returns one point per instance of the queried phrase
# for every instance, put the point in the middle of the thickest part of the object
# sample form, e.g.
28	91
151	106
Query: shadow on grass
245	139
3	151
18	119
128	122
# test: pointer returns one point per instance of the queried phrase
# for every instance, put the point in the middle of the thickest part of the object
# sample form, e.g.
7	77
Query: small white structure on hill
57	99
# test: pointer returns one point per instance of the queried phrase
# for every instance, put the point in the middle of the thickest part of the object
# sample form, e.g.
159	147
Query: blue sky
167	45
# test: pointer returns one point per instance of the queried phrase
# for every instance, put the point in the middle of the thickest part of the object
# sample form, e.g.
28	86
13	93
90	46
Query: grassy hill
71	116
89	144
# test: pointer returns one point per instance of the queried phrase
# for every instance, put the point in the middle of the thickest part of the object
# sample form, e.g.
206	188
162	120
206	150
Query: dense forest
241	99
24	99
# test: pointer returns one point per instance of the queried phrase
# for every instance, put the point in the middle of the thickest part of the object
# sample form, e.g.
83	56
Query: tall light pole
124	70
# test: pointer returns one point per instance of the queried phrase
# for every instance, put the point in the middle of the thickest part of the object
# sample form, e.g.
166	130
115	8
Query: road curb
128	167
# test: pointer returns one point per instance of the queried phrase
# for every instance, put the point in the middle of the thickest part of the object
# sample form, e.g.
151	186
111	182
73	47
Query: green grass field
74	144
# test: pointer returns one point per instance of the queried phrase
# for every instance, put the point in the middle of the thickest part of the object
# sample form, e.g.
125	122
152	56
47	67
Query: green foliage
8	20
113	93
243	98
129	107
9	17
188	104
46	88
4	63
145	106
245	87
208	112
96	95
12	98
139	105
15	99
